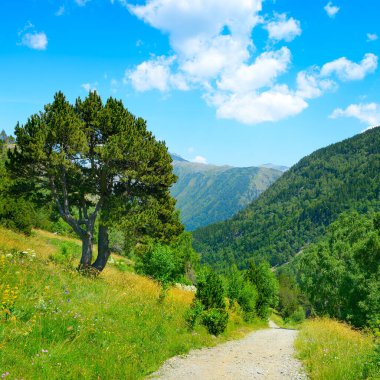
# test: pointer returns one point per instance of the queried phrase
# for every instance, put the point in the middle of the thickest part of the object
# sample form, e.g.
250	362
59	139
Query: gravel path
264	354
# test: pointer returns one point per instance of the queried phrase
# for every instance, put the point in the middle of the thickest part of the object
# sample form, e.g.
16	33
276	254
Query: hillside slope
58	324
298	207
207	194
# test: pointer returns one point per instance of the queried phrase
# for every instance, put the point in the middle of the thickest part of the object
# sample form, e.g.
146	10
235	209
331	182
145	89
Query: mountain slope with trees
207	194
298	208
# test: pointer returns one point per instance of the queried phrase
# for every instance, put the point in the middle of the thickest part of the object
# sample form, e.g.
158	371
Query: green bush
158	263
215	320
210	290
193	314
16	214
298	315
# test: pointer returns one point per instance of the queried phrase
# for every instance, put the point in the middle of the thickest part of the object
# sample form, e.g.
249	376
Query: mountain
273	166
298	208
208	193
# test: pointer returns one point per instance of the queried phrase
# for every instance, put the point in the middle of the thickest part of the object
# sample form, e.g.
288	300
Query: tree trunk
103	249
87	243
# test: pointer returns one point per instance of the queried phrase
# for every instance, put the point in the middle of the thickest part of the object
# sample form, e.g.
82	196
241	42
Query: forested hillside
207	193
299	207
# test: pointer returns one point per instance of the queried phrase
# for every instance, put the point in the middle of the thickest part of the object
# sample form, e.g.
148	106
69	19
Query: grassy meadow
57	324
332	350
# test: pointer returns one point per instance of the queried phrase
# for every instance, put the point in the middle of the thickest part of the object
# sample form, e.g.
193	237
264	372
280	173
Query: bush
158	263
210	290
298	316
16	214
193	313
215	320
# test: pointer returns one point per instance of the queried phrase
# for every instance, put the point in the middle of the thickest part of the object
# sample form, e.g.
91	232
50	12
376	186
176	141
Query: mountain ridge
298	207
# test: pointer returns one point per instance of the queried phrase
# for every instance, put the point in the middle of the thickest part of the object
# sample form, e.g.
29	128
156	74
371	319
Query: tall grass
61	325
332	350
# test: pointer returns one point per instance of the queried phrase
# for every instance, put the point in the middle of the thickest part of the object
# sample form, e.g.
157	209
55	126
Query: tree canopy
97	161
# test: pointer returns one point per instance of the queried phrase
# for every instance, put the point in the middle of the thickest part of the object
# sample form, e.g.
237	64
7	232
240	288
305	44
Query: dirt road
264	354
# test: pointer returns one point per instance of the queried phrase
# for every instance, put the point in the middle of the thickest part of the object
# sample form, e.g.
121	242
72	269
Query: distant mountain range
297	209
208	193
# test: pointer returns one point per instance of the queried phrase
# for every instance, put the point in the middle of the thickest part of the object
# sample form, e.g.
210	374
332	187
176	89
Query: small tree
267	287
209	303
96	160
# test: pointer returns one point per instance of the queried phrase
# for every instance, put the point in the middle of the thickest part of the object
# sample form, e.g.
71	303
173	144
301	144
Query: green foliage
267	287
208	194
242	291
210	290
299	206
16	214
341	273
209	304
193	314
215	320
290	298
97	161
159	264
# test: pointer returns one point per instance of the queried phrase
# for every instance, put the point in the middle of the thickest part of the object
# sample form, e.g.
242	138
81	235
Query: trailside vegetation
97	162
297	209
340	274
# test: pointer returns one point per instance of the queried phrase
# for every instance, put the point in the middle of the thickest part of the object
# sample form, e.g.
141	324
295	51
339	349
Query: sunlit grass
332	350
65	326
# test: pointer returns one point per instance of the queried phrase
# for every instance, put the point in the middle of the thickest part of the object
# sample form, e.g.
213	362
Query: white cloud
82	3
252	108
372	37
262	73
90	86
213	51
282	28
200	160
366	113
331	9
347	70
35	40
60	11
156	74
310	85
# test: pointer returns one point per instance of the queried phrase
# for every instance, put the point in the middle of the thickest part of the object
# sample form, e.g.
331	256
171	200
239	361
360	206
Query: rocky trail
263	354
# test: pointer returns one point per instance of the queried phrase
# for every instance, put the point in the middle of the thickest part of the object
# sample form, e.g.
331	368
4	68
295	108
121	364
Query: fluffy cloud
310	85
262	73
347	70
213	51
367	113
253	108
282	28
372	37
33	39
155	74
331	9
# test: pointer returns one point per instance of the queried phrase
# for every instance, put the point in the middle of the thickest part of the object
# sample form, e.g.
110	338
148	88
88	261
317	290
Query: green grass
60	325
285	324
332	350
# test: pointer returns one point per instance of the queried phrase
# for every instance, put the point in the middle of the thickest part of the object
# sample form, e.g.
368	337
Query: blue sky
240	82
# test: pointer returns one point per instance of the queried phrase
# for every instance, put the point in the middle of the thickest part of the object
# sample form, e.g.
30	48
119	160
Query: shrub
215	320
158	263
298	315
193	313
210	290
